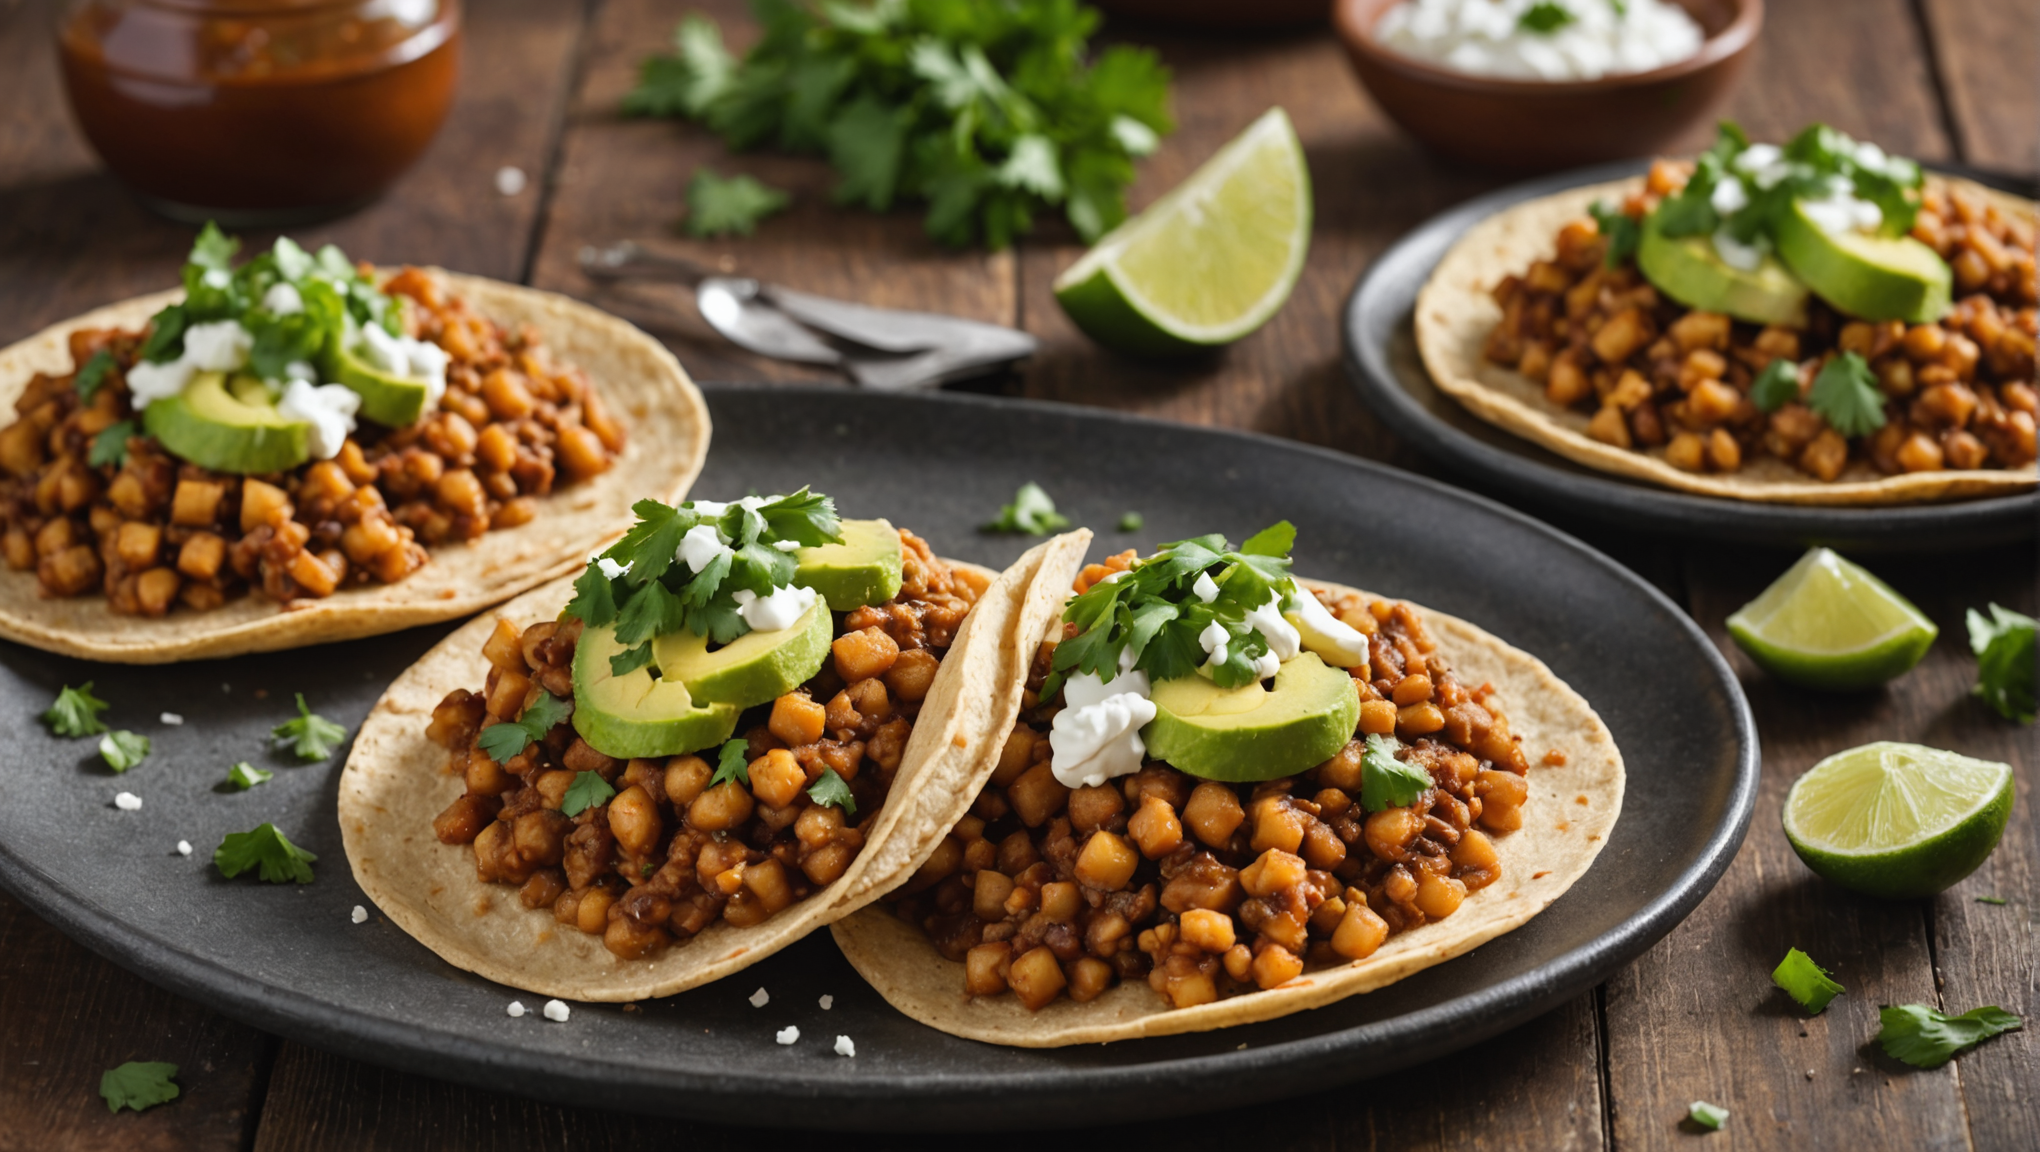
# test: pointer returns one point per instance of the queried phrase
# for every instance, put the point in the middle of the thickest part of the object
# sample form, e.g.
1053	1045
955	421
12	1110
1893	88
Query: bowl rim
1724	45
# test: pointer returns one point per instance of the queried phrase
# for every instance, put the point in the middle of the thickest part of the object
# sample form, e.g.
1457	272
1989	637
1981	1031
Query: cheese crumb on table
516	1009
184	847
127	802
828	1002
760	998
787	1035
557	1011
510	180
845	1046
173	719
360	915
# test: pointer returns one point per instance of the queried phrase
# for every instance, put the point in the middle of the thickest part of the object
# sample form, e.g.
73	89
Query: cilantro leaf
310	736
1131	521
594	597
1846	395
110	446
1545	17
2004	661
138	1084
123	749
1032	512
1926	1038
76	712
266	851
1386	782
1621	229
687	83
1275	540
867	144
166	334
1708	1116
213	249
1776	386
92	375
732	206
834	791
243	776
506	739
589	790
733	763
1805	981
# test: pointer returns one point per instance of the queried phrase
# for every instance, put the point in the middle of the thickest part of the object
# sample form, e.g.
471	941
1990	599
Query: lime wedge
1827	623
1207	263
1898	820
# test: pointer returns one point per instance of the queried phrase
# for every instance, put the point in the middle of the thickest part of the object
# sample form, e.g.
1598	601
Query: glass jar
259	113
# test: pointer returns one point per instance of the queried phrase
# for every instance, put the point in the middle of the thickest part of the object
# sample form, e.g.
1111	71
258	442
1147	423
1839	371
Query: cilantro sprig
123	749
733	762
506	739
588	790
832	790
1812	165
1708	1116
1621	229
1846	395
646	590
1928	1038
266	851
92	374
1805	981
76	712
1776	386
1386	782
310	736
1032	512
110	445
2003	643
138	1084
243	776
729	206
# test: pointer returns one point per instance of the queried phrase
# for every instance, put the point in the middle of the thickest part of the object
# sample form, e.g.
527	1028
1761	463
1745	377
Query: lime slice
1207	263
1898	820
1827	623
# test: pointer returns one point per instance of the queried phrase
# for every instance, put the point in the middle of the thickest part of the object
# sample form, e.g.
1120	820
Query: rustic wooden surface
1695	1018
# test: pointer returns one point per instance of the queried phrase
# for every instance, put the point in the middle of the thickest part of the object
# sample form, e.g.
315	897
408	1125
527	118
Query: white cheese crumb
127	802
828	1002
510	180
172	719
516	1009
787	1035
760	998
360	915
184	847
845	1046
557	1011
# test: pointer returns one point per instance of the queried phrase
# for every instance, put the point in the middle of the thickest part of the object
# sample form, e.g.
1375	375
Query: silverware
882	348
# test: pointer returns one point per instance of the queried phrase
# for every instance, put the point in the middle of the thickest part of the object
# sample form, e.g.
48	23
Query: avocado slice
1868	277
753	668
228	427
1689	270
393	401
635	714
863	569
1252	732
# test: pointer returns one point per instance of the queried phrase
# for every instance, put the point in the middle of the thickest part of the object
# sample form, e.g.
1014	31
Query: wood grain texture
1987	54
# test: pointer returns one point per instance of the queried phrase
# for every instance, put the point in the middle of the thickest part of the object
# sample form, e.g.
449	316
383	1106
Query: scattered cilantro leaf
138	1084
684	84
733	762
589	790
1545	17
1131	521
123	749
1275	540
1805	981
266	851
310	736
1926	1038
76	712
213	249
834	791
92	375
1386	782
110	446
1776	386
1708	1116
1846	395
505	739
1032	512
1621	229
243	776
729	206
1992	900
2004	649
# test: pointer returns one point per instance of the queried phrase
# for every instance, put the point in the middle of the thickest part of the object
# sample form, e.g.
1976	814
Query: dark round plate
1382	362
288	959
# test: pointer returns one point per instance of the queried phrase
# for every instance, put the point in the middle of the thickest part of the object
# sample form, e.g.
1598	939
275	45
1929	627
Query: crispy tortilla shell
1455	313
640	381
1558	841
396	781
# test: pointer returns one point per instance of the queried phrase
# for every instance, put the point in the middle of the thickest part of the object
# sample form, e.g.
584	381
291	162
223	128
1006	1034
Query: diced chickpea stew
671	853
1205	889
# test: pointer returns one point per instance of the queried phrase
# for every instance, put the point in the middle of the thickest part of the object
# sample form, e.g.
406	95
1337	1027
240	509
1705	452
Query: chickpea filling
1208	889
152	532
671	853
1958	393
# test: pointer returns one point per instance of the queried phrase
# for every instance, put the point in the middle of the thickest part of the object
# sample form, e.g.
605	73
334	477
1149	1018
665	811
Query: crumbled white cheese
300	370
1283	640
699	548
787	545
1214	640
172	719
557	1011
775	612
510	180
184	847
1337	642
708	509
1840	212
216	278
359	915
127	801
610	569
845	1046
1729	196
328	408
760	998
1205	589
407	357
148	383
828	1002
516	1009
1486	37
219	346
283	299
1096	737
1735	253
787	1035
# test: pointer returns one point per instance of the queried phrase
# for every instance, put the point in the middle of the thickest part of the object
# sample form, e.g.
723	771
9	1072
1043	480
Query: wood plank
66	1016
1985	52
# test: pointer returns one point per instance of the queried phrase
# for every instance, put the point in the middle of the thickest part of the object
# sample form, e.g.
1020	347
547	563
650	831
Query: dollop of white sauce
1096	737
1214	640
700	546
1485	37
610	569
774	612
407	357
1335	641
328	408
1205	589
283	299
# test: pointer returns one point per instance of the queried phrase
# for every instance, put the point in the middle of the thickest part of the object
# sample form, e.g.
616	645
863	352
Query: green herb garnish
2003	644
243	776
1926	1038
834	791
506	739
311	736
733	763
1708	1116
991	113
589	790
266	850
1032	512
1131	522
138	1084
76	712
1846	395
110	446
123	749
1621	229
1992	900
1386	782
92	374
729	207
1805	981
1811	166
1776	386
1545	17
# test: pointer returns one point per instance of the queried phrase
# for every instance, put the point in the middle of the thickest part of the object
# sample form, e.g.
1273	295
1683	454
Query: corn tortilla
639	380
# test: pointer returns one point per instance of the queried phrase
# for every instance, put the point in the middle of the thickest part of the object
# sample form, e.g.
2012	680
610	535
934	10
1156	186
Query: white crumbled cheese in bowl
1549	40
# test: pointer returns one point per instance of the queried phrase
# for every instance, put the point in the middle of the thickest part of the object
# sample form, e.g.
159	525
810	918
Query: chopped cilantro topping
834	791
1708	1116
1805	981
311	736
1992	900
110	446
732	206
1386	782
1926	1038
2003	644
1545	17
1032	512
138	1084
505	739
589	790
733	763
1810	166
1847	397
1131	522
266	851
1621	229
1776	386
243	776
76	712
92	374
123	749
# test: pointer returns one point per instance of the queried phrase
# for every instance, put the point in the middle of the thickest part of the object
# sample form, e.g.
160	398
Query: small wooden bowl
1533	125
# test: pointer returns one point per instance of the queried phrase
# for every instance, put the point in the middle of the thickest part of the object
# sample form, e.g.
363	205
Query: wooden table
1695	1018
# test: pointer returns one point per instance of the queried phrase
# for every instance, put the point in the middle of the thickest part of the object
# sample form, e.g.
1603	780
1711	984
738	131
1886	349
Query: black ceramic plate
288	959
1382	361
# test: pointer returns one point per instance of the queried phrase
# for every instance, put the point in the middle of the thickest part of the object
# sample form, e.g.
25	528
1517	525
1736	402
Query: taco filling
1220	780
289	428
710	730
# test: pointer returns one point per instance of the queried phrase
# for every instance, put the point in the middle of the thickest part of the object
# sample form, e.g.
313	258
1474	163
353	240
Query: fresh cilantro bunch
1814	164
1153	612
645	590
987	110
